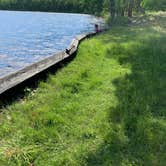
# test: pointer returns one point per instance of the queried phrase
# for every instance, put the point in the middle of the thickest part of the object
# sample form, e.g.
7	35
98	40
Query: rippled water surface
27	37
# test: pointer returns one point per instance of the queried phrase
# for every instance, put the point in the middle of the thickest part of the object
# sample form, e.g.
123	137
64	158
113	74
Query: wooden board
20	76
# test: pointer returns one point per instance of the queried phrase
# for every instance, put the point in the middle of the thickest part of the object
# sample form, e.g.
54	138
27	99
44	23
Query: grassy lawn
107	107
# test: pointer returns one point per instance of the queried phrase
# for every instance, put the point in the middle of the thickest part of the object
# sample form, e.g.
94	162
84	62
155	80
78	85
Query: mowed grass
106	107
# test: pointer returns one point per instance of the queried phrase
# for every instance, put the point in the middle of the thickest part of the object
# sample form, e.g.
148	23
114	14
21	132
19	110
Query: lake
27	37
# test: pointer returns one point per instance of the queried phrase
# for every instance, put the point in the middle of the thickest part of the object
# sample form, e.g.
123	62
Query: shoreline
51	12
16	78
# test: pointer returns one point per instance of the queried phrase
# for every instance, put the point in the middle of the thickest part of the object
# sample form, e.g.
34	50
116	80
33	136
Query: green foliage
107	107
154	4
117	8
123	8
78	6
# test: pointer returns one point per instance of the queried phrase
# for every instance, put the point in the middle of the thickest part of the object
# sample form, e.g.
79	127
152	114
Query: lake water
27	37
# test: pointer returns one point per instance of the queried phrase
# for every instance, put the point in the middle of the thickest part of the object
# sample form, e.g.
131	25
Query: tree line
76	6
126	7
116	8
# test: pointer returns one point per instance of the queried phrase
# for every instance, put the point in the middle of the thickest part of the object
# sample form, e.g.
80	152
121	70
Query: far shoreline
41	11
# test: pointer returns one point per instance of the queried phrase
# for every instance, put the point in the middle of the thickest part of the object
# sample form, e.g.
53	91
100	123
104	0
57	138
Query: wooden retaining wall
10	81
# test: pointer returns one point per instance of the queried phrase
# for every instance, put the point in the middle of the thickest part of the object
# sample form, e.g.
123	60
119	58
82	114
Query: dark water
27	37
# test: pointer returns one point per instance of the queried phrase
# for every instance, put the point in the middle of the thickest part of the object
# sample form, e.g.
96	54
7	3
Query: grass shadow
137	123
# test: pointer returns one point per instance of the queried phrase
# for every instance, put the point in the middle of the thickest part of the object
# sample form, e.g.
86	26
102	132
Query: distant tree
112	9
139	7
130	8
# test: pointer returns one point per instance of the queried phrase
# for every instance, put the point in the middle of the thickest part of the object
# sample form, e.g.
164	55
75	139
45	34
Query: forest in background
97	7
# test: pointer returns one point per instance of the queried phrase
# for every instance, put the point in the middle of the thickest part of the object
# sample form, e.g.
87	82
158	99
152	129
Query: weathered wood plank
22	75
28	72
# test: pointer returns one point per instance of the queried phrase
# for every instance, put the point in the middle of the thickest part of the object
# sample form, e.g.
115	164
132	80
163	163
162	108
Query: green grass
107	107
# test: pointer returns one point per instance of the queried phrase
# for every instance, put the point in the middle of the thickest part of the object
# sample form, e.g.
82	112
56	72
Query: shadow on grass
138	126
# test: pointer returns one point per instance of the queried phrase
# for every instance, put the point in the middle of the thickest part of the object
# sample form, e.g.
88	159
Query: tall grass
107	107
